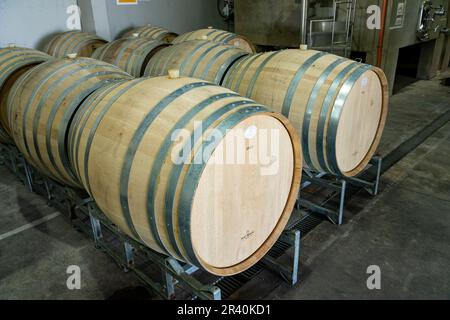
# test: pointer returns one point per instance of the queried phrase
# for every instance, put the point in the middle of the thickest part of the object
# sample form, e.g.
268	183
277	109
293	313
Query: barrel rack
165	276
368	180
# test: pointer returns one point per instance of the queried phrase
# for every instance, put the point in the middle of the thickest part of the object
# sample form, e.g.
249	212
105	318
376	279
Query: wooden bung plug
174	73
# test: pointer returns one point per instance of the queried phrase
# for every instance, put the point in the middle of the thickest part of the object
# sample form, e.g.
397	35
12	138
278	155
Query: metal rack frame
130	255
338	185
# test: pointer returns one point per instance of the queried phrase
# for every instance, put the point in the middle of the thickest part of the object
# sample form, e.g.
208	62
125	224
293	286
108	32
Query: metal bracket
339	185
28	174
96	228
129	254
370	186
183	273
288	272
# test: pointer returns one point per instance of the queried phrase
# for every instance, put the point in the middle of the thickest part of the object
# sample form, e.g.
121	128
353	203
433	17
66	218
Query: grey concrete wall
396	38
180	16
30	23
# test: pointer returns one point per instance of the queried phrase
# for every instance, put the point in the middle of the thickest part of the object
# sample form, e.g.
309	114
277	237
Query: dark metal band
310	108
286	109
326	107
134	145
162	155
195	171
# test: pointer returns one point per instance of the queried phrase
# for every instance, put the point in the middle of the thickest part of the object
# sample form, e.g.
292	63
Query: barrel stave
154	33
220	36
198	59
42	107
131	54
81	43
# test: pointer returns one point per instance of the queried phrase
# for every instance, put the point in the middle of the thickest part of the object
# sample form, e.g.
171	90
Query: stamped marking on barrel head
248	235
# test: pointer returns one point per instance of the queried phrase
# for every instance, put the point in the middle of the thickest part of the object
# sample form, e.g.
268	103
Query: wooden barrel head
359	122
231	219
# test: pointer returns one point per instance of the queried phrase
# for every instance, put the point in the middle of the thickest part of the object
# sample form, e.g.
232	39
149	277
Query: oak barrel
154	33
130	54
14	61
81	43
197	58
150	152
217	35
338	106
42	104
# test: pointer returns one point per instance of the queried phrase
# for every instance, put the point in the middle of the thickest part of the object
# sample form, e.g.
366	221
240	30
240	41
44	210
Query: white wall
176	15
29	23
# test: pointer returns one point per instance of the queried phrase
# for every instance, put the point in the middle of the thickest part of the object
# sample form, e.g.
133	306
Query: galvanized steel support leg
169	286
129	255
181	273
288	272
96	229
28	175
370	186
335	217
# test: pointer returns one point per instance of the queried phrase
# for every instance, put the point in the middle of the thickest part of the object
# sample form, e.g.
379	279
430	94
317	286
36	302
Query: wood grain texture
14	62
41	106
197	58
217	35
81	43
129	54
337	105
154	33
125	145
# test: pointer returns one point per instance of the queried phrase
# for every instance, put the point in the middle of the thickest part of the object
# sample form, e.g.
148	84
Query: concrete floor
405	230
33	262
